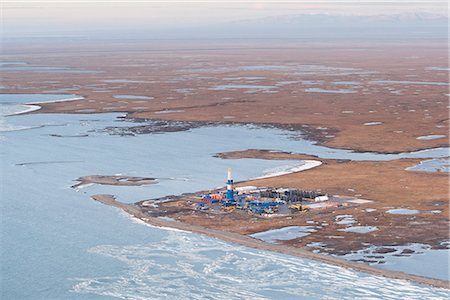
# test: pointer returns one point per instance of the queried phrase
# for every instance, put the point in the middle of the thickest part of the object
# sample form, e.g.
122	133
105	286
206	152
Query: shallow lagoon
64	245
284	234
424	261
432	165
359	229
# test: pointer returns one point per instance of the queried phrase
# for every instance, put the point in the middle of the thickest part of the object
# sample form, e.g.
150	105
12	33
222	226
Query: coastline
33	106
308	164
58	100
307	131
27	108
254	243
356	102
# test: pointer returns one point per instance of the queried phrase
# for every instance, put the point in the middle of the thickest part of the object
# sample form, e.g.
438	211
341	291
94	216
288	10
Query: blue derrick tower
230	192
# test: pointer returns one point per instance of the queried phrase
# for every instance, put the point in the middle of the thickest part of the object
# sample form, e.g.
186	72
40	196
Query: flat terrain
386	183
361	96
380	97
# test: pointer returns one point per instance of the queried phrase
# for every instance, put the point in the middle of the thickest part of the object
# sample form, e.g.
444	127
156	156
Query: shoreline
34	106
257	244
27	108
30	107
195	124
307	165
307	133
57	100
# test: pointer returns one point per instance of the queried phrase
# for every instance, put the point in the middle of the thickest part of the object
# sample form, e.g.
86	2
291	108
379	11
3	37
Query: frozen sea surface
12	104
199	267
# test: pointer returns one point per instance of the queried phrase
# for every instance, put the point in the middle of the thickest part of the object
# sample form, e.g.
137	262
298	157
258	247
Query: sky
20	17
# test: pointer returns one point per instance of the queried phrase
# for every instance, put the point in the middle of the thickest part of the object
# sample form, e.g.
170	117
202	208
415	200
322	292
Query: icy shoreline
284	170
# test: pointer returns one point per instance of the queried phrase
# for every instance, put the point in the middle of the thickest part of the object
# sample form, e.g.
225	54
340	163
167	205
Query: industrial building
259	200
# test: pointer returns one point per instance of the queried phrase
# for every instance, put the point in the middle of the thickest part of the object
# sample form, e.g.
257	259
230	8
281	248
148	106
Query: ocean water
57	243
187	266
